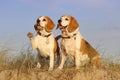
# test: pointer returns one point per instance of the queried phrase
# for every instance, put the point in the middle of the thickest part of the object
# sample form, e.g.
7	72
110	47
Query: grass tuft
22	65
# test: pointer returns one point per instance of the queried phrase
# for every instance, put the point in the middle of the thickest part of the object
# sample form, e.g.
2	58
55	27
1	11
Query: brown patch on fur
50	25
73	24
55	46
96	62
56	51
86	48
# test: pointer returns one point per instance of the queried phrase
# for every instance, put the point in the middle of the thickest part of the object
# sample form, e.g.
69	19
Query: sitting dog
75	45
44	41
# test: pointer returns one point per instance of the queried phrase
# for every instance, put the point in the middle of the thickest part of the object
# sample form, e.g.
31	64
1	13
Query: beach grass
23	67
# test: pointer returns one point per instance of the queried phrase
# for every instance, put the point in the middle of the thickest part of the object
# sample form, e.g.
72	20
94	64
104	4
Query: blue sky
99	20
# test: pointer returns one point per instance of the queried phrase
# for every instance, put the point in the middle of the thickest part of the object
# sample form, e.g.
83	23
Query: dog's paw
60	68
38	65
30	35
50	69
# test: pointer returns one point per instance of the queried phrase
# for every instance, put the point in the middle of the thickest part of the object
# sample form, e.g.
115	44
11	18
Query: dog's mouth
61	27
38	27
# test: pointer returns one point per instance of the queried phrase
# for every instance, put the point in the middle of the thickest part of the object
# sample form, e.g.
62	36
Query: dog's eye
44	19
66	19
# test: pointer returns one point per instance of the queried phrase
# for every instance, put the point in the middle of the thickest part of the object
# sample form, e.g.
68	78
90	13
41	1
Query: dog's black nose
59	21
38	20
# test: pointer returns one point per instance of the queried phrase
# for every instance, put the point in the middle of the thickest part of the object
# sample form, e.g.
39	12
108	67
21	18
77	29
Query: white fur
72	46
72	49
64	21
42	23
44	45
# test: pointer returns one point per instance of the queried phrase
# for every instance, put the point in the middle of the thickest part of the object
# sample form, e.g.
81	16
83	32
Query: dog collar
43	35
68	37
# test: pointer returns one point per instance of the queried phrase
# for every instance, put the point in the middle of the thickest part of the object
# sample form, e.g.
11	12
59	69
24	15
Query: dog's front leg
51	61
77	60
38	58
62	61
32	40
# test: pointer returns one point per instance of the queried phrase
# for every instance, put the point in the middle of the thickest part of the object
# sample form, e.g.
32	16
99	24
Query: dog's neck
68	35
44	33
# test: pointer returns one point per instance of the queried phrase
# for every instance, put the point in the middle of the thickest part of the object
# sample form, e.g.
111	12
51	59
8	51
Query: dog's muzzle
38	27
60	26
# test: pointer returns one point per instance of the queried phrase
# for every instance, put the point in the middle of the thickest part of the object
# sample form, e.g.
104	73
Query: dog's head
68	23
44	23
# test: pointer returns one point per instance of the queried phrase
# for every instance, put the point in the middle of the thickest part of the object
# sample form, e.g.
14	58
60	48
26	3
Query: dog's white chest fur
66	43
70	45
44	44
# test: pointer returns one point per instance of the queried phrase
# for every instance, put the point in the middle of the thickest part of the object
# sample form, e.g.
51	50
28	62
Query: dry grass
22	67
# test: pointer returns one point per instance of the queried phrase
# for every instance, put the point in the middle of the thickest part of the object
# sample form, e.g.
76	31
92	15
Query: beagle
44	42
75	45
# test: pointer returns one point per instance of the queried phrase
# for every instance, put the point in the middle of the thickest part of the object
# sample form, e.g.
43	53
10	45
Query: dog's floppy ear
50	25
73	25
